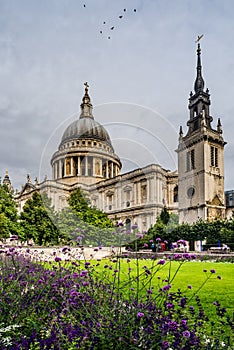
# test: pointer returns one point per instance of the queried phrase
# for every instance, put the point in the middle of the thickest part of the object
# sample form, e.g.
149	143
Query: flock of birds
113	27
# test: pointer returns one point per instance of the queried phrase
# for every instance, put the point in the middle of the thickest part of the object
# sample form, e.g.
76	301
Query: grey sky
48	49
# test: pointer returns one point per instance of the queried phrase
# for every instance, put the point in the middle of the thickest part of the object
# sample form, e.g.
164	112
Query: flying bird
134	10
124	10
112	28
108	37
100	31
121	16
104	22
84	5
199	38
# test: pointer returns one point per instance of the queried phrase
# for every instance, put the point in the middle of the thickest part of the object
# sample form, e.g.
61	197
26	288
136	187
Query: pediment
28	187
216	201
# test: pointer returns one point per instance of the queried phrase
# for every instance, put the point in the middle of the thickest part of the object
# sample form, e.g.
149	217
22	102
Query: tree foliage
8	214
80	205
214	232
35	219
82	223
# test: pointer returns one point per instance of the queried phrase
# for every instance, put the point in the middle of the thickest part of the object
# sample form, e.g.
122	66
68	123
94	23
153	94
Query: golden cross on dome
86	87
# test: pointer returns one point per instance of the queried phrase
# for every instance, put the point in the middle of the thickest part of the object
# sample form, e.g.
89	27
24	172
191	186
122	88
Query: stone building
86	158
201	159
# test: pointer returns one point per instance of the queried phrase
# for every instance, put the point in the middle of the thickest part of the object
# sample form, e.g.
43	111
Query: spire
219	126
199	82
7	182
86	106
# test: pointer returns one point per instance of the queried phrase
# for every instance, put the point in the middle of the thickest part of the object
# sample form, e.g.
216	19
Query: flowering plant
59	301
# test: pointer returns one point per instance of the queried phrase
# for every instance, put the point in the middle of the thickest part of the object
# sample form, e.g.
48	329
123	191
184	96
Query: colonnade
85	166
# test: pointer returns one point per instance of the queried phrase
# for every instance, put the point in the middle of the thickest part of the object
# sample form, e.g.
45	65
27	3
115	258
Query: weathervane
199	38
86	87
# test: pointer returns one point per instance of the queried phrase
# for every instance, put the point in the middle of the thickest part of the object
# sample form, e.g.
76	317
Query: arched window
175	194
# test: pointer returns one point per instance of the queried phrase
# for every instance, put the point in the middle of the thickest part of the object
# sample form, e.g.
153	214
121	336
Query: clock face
190	192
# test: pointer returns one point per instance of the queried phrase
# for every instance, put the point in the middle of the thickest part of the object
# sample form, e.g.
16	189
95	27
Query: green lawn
190	273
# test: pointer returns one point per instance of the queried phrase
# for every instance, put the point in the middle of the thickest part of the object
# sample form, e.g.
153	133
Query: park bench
220	250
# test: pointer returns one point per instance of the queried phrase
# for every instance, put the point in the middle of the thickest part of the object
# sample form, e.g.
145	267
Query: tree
8	214
80	205
82	220
36	221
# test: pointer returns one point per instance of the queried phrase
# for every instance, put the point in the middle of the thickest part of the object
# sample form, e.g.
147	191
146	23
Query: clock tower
200	159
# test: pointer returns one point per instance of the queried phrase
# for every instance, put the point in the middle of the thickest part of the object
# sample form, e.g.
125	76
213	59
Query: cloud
48	49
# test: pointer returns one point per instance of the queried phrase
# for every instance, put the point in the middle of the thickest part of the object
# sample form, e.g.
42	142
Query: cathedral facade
85	158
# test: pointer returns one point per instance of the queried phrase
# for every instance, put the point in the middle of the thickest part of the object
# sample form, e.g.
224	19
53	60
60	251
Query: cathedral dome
85	152
86	127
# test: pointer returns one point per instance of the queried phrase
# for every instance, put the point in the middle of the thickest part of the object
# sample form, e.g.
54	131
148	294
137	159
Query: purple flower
140	314
140	235
161	262
83	273
119	223
57	259
219	277
64	249
212	271
169	305
165	345
158	239
183	322
186	334
145	245
167	287
128	232
189	286
134	226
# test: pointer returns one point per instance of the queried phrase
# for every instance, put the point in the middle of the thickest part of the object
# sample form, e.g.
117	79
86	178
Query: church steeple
199	101
86	106
199	82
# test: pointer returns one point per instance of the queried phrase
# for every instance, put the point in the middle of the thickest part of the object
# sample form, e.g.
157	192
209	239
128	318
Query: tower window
191	160
175	194
214	156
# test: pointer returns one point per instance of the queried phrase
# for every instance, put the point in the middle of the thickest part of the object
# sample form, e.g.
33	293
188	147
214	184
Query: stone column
72	165
100	162
60	168
107	170
94	170
86	166
148	189
118	197
138	193
112	169
135	193
78	166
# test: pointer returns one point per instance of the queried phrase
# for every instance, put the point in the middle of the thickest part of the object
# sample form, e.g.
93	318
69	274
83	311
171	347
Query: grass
191	273
113	303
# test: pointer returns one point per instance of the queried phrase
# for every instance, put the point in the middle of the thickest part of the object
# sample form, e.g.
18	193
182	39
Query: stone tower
200	159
